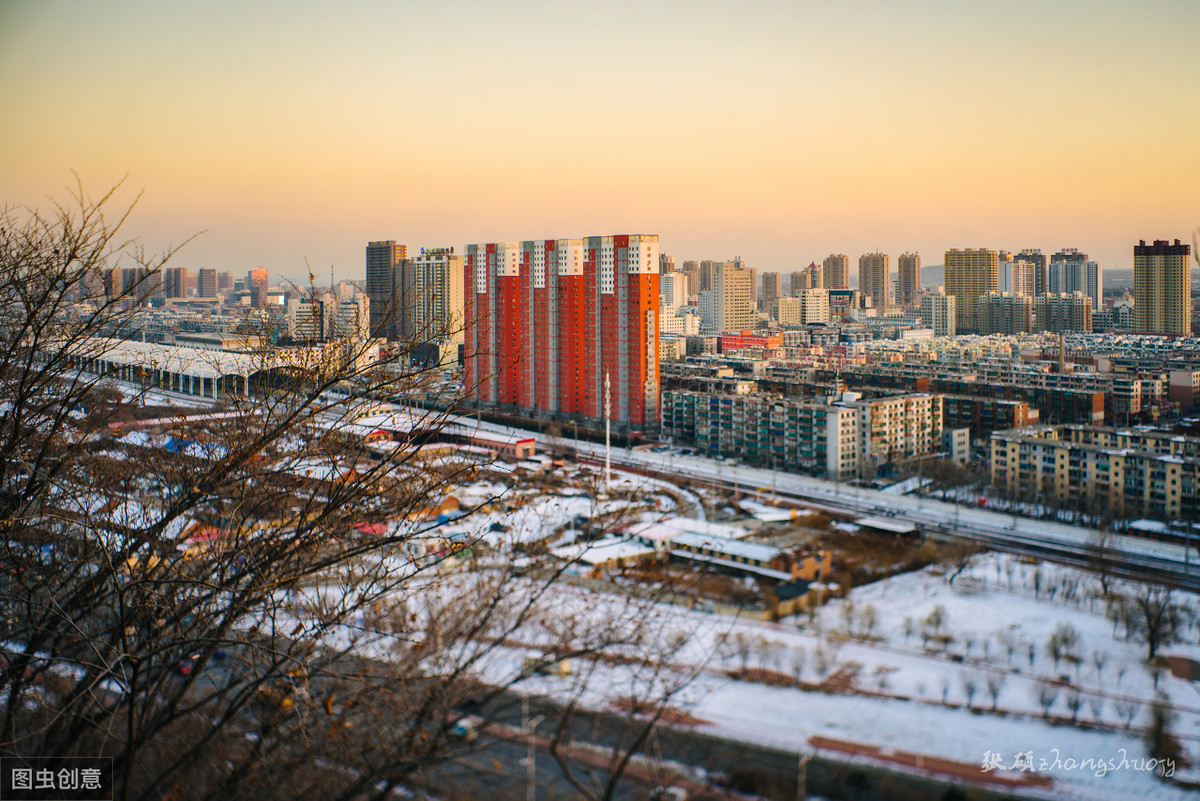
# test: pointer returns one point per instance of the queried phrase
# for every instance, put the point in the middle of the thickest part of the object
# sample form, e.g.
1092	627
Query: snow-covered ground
907	655
981	608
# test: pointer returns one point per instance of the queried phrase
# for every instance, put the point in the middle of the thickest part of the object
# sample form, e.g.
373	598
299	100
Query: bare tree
1073	700
1127	710
1155	617
1062	643
1047	694
799	656
995	683
1099	659
970	685
652	681
251	604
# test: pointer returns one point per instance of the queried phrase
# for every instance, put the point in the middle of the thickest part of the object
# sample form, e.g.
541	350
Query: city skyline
305	134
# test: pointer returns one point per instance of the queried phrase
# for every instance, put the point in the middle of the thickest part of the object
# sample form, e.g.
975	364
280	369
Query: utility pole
530	754
607	434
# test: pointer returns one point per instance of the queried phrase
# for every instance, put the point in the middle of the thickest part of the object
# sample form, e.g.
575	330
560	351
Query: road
739	770
1132	557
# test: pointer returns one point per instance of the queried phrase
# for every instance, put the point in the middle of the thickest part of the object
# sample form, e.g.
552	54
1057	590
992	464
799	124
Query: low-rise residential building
1004	313
1118	471
983	414
1060	312
840	439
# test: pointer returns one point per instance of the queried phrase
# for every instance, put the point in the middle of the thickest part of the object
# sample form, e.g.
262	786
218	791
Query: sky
290	134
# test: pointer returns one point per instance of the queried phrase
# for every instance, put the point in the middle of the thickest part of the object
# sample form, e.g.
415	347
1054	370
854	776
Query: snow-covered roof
886	524
751	551
757	570
606	550
655	532
706	528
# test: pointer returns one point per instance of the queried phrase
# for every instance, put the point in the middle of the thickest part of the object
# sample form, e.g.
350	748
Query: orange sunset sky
777	131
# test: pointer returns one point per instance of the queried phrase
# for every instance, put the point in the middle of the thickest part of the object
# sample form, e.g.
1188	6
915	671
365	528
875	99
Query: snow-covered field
908	655
981	615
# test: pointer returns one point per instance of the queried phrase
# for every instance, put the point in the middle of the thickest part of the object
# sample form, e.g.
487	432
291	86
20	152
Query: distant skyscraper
206	286
175	282
1063	312
1038	260
550	322
382	259
1070	271
1016	276
875	279
256	282
133	285
937	312
1004	313
708	271
666	264
908	279
970	273
1162	288
811	277
772	286
692	270
224	281
429	300
733	294
836	270
672	291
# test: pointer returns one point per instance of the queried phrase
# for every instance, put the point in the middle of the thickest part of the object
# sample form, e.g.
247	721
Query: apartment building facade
554	327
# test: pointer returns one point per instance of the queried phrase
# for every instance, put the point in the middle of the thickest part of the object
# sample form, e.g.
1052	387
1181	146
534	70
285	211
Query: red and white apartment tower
547	319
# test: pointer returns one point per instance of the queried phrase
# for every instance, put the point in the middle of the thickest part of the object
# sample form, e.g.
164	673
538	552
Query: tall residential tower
875	279
382	258
970	274
549	322
1162	288
908	279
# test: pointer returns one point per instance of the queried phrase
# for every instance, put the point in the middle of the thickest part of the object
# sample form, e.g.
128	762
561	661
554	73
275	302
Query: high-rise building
666	264
382	259
970	273
733	295
1063	312
175	280
708	272
1070	271
1004	313
937	312
836	269
815	306
428	297
772	288
811	277
908	279
875	279
553	327
133	285
206	286
1037	260
692	270
672	291
224	281
1016	276
256	282
1162	288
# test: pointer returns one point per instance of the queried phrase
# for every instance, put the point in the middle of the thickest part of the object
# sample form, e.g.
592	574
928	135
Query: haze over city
774	131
